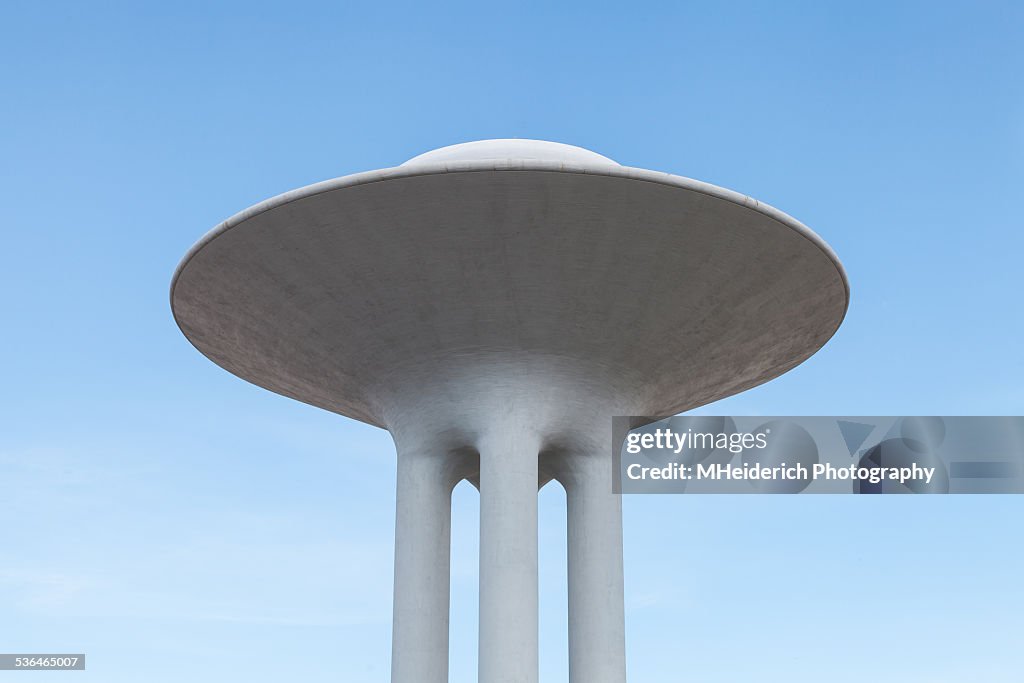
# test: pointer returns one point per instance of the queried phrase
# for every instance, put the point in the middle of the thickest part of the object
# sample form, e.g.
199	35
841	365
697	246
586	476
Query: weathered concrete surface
354	290
493	305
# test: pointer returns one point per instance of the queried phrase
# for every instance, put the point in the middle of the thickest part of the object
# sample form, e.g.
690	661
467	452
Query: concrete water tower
492	305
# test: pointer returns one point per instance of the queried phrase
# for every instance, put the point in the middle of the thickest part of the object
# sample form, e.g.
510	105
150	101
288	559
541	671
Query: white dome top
509	149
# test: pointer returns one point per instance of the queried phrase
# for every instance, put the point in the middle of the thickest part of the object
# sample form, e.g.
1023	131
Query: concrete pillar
597	641
419	647
508	558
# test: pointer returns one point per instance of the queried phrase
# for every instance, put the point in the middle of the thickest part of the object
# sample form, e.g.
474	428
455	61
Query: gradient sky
176	523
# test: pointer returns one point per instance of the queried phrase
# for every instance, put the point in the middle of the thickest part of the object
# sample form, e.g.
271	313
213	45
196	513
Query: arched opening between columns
553	586
464	624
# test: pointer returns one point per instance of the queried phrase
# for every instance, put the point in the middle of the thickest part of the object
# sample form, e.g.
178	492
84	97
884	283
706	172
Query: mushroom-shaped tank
657	292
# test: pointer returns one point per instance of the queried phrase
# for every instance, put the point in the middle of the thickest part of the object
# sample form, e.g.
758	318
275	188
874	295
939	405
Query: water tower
492	305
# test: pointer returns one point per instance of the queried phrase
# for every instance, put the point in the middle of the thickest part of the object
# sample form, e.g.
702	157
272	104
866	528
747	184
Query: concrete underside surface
659	296
493	316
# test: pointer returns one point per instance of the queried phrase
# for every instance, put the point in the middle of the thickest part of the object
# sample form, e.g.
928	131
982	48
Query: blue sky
154	507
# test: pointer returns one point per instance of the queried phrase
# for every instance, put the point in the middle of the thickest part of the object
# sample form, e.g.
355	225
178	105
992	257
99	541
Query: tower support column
508	558
597	641
419	646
